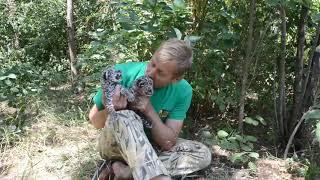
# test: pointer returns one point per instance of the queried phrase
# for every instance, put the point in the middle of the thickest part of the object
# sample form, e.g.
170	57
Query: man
155	153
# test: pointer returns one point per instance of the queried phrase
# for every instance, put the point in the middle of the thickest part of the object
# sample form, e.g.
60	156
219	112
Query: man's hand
119	101
143	105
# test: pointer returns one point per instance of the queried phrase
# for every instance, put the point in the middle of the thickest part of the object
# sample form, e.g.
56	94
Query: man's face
163	73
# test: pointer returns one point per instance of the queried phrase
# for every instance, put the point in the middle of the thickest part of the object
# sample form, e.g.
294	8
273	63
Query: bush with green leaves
240	145
312	117
133	31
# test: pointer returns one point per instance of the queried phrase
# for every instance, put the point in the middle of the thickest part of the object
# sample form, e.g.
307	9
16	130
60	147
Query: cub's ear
140	83
105	75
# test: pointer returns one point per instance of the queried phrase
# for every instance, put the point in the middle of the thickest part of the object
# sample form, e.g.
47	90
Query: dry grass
54	145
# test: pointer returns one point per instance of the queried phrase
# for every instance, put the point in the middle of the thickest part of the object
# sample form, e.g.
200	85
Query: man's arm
98	118
165	135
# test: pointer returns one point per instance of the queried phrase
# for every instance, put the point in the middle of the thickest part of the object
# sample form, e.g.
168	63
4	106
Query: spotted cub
141	87
110	79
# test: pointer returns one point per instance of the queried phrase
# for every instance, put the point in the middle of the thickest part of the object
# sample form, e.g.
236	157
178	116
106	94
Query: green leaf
251	138
232	139
250	145
126	25
251	121
194	39
14	89
317	131
237	157
229	145
178	33
259	118
123	18
8	82
252	166
273	2
206	134
25	92
210	141
240	138
152	3
313	114
179	4
245	147
254	155
316	17
222	134
12	76
3	78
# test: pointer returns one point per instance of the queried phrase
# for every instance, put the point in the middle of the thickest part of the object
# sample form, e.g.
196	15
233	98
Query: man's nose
151	73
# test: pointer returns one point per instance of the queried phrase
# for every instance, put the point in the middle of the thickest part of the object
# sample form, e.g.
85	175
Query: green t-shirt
172	101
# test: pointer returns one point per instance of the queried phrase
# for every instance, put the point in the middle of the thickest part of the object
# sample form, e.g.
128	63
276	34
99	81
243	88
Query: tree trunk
313	84
199	11
297	112
310	80
246	63
12	8
71	42
282	73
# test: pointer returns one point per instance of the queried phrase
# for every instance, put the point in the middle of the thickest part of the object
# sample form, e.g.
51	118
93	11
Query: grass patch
55	141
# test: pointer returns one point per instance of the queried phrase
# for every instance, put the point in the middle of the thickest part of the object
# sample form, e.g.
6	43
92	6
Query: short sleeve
97	99
182	105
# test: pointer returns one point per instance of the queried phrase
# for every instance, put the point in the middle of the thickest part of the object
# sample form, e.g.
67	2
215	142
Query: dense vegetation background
255	75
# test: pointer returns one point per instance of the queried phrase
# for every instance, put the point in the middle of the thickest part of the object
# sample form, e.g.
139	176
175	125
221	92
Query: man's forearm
97	118
163	135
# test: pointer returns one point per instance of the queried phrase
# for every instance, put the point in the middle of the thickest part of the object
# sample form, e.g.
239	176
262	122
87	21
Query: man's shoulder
184	86
180	90
130	65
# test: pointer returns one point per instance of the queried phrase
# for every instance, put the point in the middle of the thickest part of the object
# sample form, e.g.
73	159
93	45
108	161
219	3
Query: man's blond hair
176	50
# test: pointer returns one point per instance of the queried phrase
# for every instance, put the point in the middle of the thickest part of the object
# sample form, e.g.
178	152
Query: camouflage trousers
124	138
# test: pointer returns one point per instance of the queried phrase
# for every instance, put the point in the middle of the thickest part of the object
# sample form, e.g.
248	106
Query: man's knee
125	115
107	145
208	156
127	118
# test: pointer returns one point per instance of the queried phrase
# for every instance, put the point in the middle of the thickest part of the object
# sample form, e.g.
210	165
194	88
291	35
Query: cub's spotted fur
141	87
109	80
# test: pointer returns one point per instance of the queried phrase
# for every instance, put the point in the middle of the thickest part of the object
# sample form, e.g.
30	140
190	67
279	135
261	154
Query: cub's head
144	86
112	75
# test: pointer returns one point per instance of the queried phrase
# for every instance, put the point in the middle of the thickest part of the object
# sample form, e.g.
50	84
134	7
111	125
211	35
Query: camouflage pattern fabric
124	138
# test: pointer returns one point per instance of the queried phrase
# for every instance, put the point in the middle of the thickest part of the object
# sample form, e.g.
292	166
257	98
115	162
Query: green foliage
297	166
313	172
32	57
317	132
241	145
252	166
313	117
116	31
222	134
255	121
244	157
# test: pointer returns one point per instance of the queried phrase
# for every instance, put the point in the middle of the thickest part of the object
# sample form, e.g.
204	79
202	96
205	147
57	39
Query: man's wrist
151	114
148	111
